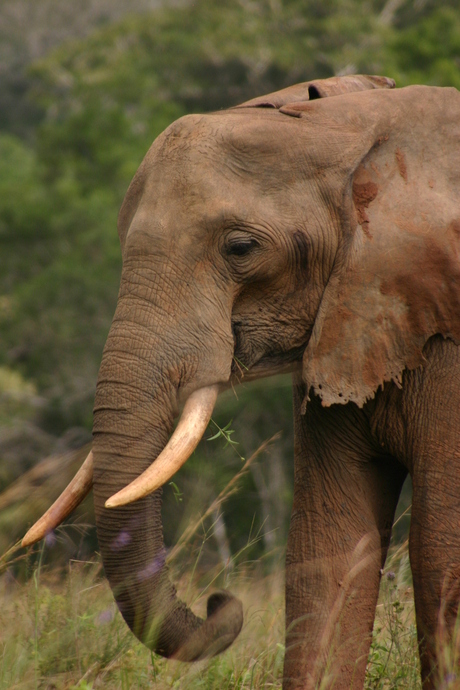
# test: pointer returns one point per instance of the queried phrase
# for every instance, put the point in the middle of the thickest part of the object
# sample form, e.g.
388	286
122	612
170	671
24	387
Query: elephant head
309	230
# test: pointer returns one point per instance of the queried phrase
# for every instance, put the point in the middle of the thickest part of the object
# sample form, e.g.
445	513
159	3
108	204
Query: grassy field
61	630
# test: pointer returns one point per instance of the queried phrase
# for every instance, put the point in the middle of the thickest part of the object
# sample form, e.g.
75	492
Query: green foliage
429	51
16	397
226	433
59	268
25	211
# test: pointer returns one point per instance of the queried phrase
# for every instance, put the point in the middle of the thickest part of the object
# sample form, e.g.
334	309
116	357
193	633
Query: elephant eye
240	247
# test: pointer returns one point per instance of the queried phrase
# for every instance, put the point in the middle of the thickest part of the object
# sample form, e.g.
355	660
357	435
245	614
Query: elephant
315	230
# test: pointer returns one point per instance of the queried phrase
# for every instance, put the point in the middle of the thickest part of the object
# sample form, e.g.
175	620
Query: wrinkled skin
319	236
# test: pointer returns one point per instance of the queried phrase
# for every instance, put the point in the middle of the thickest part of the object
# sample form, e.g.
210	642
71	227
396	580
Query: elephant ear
396	276
320	88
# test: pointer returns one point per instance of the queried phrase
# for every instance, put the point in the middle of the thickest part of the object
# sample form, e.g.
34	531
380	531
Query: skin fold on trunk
133	417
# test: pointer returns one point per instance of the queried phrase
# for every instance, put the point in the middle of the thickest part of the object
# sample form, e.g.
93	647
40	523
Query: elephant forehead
260	143
182	209
206	169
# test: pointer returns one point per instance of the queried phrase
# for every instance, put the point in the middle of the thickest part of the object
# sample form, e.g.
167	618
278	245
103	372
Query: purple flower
153	567
106	616
121	540
50	539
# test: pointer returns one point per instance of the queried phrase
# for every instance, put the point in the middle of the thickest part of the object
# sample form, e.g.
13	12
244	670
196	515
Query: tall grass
60	629
393	661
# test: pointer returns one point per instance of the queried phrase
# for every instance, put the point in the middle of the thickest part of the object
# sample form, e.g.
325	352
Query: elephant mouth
249	366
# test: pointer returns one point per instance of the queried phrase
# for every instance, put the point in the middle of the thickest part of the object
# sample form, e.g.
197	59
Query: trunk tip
220	629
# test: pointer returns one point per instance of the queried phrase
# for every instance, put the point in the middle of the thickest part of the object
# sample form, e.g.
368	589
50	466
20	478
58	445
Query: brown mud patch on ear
454	227
401	163
332	337
363	194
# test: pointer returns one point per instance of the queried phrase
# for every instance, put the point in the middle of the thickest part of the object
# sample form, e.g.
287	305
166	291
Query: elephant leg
345	496
433	400
435	563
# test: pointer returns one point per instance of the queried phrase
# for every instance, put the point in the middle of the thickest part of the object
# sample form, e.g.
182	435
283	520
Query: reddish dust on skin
331	337
401	161
363	194
454	227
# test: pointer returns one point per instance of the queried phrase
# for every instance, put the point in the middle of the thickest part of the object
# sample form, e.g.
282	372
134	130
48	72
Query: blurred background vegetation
84	89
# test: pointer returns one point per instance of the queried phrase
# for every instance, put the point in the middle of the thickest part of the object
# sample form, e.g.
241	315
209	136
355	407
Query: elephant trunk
133	417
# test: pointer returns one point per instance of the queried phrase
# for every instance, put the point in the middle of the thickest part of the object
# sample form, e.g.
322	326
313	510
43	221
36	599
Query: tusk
70	498
191	427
